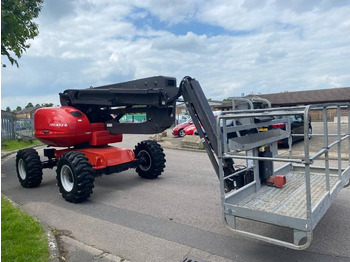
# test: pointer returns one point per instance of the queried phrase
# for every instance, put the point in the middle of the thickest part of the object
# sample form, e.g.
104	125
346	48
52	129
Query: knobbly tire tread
158	159
33	167
83	177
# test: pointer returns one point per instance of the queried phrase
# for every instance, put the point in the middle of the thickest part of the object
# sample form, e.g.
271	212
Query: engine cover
61	126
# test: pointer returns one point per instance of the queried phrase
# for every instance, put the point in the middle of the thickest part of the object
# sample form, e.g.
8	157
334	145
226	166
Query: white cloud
172	12
260	46
189	43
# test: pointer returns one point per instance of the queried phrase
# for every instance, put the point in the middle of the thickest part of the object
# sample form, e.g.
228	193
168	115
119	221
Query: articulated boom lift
79	134
89	120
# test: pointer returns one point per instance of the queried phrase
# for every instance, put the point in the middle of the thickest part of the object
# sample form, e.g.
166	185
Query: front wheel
29	168
75	177
151	157
182	133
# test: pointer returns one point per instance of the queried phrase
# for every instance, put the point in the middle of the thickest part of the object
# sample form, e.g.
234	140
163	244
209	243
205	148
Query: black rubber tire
75	177
152	158
29	168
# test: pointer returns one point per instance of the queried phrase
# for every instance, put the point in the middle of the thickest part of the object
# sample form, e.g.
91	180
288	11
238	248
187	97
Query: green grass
12	145
22	237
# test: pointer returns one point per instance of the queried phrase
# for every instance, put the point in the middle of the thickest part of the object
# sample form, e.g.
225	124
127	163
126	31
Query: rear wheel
151	157
75	177
29	168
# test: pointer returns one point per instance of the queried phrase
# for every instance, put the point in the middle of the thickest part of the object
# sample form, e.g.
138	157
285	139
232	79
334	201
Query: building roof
28	110
319	96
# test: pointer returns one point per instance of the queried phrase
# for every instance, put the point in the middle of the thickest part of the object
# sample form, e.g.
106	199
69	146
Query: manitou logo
58	125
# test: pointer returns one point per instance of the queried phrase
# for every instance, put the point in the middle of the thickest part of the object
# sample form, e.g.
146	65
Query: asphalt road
173	217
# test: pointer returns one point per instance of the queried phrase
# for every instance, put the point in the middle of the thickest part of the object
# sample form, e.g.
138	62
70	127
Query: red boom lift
79	134
89	120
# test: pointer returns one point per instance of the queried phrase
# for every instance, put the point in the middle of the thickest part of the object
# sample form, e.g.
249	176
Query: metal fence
7	126
12	128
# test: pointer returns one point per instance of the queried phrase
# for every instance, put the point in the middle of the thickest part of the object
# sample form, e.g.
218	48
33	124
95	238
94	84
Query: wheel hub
145	160
67	179
22	169
182	132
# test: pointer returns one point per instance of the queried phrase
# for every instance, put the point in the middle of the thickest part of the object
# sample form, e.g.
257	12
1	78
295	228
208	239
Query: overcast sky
230	47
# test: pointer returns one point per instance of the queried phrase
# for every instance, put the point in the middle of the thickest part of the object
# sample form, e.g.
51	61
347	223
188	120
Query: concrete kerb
8	153
95	254
53	246
54	252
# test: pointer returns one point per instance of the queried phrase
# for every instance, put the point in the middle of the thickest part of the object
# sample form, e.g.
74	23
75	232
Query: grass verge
22	237
12	145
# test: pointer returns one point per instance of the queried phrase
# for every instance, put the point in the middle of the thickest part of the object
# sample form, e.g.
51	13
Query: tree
29	105
8	109
17	26
47	105
18	108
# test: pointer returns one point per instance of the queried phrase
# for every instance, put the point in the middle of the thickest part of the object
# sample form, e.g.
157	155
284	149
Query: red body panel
100	136
57	126
104	156
104	138
67	126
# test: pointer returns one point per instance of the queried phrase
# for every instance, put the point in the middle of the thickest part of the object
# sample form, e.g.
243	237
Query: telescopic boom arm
155	96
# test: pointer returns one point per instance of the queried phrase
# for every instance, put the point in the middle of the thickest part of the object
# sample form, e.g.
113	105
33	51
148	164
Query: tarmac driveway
173	217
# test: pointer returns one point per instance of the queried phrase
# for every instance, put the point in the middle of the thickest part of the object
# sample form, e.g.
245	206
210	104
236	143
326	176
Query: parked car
189	130
179	129
296	125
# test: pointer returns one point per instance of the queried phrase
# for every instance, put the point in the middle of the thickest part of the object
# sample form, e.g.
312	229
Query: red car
179	130
189	130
